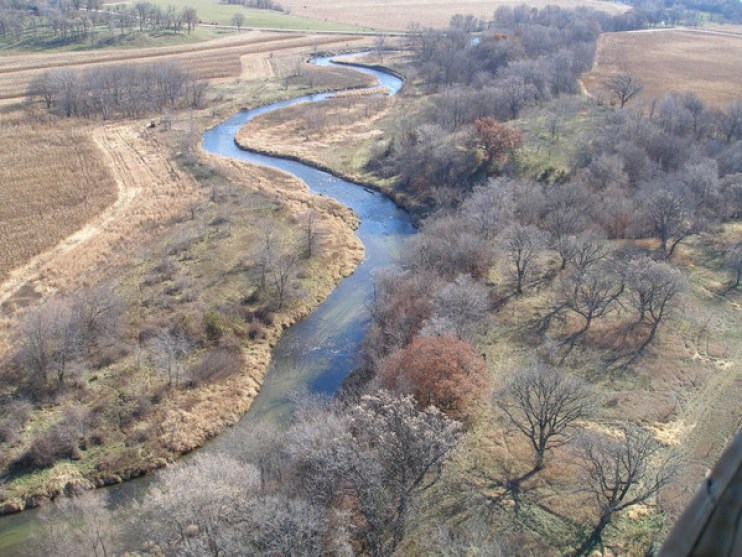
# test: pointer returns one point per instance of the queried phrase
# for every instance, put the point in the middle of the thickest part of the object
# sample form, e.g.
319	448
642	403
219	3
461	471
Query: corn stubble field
709	63
53	181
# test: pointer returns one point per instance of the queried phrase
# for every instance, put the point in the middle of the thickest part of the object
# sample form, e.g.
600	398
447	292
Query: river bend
315	354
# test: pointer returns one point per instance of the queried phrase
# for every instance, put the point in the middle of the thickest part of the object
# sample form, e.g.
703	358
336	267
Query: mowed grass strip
706	63
52	181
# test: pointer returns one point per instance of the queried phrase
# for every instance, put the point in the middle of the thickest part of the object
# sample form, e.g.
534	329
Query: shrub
62	440
13	417
216	364
442	371
256	330
214	326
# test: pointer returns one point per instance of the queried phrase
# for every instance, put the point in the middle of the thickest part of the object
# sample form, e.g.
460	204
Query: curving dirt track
150	190
218	58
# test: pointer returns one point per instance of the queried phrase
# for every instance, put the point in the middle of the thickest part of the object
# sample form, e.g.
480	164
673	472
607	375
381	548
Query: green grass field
104	39
212	11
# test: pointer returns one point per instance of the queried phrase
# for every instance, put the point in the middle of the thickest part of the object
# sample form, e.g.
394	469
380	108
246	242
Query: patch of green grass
553	133
212	11
105	39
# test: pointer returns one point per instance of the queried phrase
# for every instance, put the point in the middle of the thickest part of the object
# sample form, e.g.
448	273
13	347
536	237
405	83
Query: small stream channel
315	354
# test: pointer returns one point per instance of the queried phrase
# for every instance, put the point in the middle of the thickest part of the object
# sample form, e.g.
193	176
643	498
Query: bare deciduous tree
190	17
489	208
168	350
199	507
264	252
81	526
238	20
447	247
522	246
590	294
284	274
581	250
414	445
544	404
729	121
733	262
312	232
668	216
653	287
623	86
460	308
620	473
49	342
381	453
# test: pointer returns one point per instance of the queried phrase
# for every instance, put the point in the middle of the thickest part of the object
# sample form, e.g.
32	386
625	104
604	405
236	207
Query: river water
314	355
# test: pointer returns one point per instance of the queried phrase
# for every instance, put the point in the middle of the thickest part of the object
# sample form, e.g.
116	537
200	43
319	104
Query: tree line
257	4
120	90
82	21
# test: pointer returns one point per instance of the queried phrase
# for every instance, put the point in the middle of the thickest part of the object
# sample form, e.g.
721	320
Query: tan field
707	62
398	14
121	163
111	185
220	58
34	161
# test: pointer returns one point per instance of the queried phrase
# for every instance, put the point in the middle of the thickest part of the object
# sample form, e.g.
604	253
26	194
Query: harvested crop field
150	191
52	181
707	62
219	58
398	14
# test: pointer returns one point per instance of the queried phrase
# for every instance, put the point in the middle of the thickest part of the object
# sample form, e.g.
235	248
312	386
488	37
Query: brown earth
707	62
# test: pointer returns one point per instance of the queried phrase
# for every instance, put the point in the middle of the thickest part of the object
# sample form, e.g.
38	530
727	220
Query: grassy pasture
214	12
47	42
708	63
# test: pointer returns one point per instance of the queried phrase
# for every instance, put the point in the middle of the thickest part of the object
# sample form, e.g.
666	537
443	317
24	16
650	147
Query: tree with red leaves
443	371
497	140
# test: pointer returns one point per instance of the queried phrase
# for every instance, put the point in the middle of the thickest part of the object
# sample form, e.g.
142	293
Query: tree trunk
594	538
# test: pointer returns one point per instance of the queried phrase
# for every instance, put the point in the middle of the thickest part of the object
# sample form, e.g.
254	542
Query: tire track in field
149	192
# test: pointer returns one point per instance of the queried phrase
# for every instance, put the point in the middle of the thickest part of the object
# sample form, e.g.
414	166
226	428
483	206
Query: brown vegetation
443	371
328	133
709	64
149	193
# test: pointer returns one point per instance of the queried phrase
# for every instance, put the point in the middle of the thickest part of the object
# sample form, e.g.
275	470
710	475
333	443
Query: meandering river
315	354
